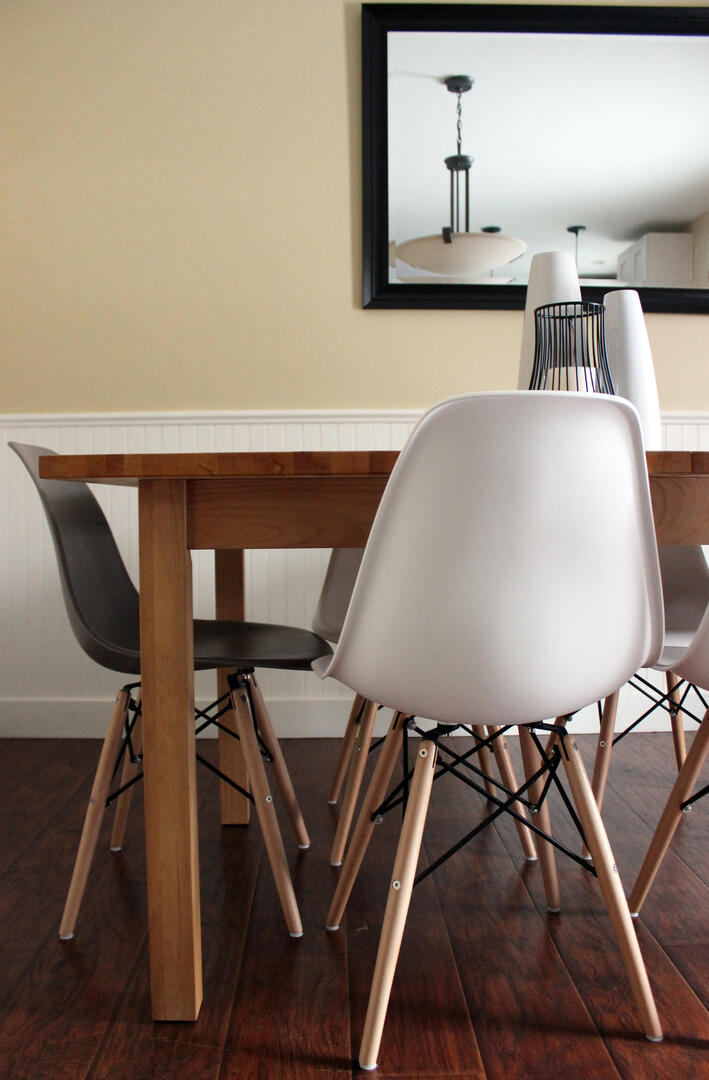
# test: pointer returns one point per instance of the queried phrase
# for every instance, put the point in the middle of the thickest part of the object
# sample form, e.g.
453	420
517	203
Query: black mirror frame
377	21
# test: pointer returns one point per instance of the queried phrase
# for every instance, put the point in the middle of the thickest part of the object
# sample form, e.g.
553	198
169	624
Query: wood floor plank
524	1004
290	1018
693	962
644	784
59	769
489	986
583	936
58	997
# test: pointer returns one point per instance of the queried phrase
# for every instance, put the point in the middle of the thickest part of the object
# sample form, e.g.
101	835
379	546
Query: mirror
586	127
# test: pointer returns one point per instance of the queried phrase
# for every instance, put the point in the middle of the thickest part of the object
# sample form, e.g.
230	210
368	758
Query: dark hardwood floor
489	986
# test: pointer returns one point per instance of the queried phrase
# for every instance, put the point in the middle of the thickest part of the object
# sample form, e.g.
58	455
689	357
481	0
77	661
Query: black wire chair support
209	716
663	701
453	763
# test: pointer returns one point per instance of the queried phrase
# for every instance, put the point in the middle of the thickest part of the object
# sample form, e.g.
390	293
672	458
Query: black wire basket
570	349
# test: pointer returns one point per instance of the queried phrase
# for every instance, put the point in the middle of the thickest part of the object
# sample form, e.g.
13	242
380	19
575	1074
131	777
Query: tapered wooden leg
609	880
547	857
230	604
402	883
354	782
602	760
280	769
265	810
94	816
682	789
604	748
676	719
129	771
507	775
483	756
346	748
363	829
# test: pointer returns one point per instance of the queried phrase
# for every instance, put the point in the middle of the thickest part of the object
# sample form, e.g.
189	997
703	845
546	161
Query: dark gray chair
103	608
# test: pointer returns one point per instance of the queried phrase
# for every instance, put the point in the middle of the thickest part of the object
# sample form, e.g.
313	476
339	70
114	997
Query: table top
121	468
127	468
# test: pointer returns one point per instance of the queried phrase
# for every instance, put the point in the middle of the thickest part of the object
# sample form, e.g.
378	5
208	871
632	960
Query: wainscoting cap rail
242	416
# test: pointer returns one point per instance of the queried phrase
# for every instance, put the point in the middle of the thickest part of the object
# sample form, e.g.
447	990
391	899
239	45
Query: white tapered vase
630	360
552	280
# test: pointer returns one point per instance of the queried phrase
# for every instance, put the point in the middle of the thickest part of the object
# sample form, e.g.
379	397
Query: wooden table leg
169	752
229	583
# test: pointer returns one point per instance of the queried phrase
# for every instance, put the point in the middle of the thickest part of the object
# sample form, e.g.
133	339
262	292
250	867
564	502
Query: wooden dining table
231	502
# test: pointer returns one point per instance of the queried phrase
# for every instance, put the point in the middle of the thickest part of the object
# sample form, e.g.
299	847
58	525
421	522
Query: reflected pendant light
454	252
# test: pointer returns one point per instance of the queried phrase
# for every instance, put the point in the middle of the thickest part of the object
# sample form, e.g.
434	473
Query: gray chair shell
103	604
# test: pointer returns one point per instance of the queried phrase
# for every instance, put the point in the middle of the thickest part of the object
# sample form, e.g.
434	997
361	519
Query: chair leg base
291	933
303	847
368	1068
337	927
655	1038
531	858
66	937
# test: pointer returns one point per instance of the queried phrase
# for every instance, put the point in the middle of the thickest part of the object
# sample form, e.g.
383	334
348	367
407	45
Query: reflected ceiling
605	131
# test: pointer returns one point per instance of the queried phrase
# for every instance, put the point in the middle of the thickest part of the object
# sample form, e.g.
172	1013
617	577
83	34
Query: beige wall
181	222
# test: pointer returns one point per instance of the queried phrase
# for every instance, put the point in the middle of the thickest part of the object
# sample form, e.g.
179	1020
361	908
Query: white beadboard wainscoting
48	687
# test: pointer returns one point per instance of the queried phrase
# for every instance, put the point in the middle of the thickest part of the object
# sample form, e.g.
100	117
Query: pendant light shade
467	254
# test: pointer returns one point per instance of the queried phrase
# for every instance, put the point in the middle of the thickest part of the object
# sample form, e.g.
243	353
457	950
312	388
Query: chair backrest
511	573
552	280
336	591
101	601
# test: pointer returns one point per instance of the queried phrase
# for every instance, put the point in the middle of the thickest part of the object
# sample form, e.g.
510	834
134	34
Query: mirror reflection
591	144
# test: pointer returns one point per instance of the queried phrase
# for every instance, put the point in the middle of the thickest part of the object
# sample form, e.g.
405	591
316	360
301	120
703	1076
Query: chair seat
224	643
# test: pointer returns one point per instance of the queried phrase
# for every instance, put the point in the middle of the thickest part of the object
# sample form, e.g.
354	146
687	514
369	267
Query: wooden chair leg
604	747
346	748
676	719
354	782
362	832
609	880
485	759
603	750
507	775
280	769
129	771
547	857
263	804
397	907
94	816
671	815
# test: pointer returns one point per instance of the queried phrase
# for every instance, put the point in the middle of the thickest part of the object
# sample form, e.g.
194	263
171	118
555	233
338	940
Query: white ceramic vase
630	360
552	280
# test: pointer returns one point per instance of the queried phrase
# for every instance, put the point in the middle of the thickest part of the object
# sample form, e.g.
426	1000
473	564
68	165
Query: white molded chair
692	665
509	519
684	570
